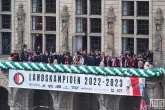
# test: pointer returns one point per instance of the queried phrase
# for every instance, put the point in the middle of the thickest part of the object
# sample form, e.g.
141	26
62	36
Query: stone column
109	102
11	102
56	96
154	89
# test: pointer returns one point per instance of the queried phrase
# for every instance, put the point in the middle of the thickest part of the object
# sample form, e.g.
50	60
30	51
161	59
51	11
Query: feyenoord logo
18	78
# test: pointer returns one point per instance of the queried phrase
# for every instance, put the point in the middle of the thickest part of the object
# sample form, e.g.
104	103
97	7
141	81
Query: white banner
76	82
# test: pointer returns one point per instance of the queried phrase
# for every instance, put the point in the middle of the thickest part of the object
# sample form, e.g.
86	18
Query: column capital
10	100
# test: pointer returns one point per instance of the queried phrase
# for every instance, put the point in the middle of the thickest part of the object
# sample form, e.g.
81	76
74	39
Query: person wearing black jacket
51	57
46	58
41	58
24	56
60	59
85	57
108	62
91	61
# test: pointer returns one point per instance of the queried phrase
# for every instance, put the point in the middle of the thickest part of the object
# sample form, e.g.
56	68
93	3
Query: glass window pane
6	43
51	43
143	8
81	25
50	6
6	21
6	5
37	41
95	7
51	23
95	43
143	27
95	25
142	45
81	7
128	8
37	6
127	45
127	26
36	22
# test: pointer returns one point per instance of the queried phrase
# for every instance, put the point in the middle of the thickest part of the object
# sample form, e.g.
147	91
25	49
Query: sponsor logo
86	88
58	86
34	84
43	85
50	86
112	90
74	87
18	78
119	90
65	87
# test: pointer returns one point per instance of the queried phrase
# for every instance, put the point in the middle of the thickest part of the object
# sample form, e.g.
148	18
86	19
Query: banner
76	82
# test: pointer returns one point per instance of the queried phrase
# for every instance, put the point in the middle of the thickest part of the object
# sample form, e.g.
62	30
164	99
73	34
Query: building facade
33	99
133	26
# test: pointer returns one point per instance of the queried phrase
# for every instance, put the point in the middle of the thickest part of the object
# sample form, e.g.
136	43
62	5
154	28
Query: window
81	7
143	8
6	5
37	6
95	7
142	45
6	43
51	23
6	21
37	41
50	6
51	43
36	22
81	25
96	25
95	43
127	26
128	8
127	44
143	27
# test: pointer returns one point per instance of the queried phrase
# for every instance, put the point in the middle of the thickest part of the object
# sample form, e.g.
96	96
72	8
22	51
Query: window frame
6	23
129	26
50	6
142	28
51	39
34	25
95	7
95	26
40	6
128	44
4	34
144	41
50	23
143	9
129	7
81	24
97	43
6	4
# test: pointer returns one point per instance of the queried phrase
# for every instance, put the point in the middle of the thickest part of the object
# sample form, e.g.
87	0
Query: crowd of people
95	58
